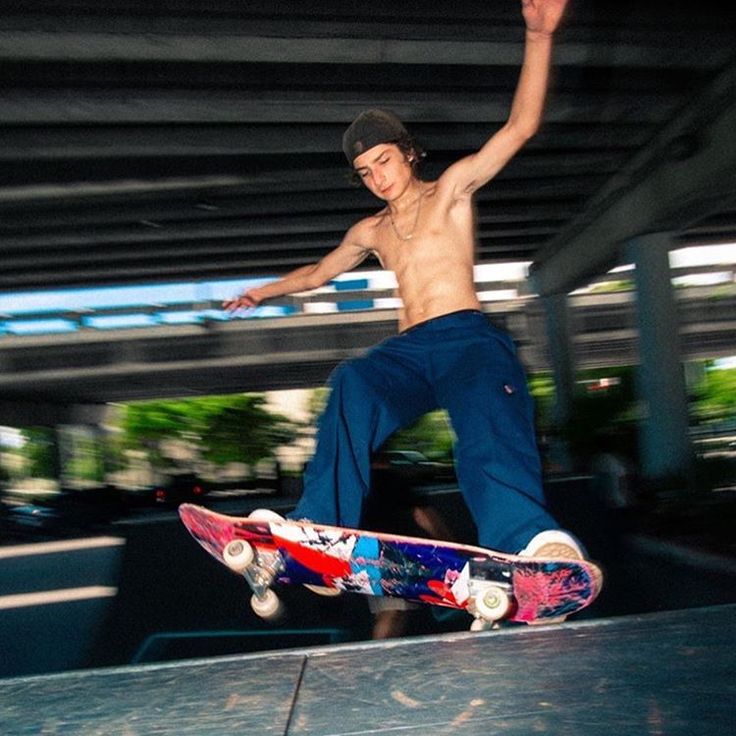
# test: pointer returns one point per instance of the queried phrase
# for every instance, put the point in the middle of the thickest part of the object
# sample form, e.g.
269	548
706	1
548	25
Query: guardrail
351	293
357	295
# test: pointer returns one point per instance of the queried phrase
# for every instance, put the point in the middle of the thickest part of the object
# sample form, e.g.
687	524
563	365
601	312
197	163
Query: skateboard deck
490	585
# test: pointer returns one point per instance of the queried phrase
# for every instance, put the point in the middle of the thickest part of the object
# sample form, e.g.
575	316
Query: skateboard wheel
268	606
238	555
492	604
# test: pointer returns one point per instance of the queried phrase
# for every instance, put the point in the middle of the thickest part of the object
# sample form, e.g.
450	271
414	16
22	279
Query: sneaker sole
561	551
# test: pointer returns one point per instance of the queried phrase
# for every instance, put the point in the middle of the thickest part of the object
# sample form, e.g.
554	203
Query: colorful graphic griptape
412	569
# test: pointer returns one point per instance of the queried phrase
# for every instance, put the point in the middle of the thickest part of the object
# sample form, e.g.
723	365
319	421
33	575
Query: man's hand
542	16
248	300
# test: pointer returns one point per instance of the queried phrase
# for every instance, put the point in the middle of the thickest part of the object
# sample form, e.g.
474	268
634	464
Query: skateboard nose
188	514
206	527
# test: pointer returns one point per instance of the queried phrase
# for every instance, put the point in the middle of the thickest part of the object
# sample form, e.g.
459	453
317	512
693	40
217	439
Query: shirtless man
446	353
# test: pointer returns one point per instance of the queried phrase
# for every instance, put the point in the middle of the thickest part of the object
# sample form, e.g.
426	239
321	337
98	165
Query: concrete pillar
81	455
666	450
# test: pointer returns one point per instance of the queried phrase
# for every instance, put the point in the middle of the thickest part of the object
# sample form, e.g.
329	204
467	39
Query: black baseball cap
369	129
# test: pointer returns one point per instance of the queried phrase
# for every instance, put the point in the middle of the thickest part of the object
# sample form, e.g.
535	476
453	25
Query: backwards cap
369	129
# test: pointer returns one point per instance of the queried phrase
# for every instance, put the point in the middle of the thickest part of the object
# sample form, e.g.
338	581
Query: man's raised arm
469	174
346	256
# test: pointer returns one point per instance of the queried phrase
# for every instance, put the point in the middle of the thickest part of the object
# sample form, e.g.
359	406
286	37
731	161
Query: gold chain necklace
414	226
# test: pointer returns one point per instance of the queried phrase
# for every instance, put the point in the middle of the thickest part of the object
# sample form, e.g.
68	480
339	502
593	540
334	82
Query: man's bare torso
434	268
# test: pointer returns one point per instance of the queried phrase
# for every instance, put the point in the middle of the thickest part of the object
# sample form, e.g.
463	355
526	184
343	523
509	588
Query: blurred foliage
542	389
723	291
40	453
714	397
235	428
431	435
240	428
608	287
82	454
602	418
88	465
317	403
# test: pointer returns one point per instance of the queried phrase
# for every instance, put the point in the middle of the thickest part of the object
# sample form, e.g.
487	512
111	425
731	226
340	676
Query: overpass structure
153	143
47	378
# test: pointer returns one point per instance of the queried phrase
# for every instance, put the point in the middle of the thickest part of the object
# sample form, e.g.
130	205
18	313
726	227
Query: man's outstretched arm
472	172
346	256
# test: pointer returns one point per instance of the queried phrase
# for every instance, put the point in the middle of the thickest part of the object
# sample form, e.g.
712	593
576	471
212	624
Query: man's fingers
232	305
248	301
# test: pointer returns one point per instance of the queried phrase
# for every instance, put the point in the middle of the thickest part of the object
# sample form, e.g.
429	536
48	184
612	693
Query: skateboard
491	586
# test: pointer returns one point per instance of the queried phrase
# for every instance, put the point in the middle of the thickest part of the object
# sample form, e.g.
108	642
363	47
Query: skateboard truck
259	570
489	595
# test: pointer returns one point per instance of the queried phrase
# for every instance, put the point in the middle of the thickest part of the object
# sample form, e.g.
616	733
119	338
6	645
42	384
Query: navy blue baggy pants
458	362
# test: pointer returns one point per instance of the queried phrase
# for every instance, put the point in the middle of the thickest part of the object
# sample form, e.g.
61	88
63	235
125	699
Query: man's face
385	170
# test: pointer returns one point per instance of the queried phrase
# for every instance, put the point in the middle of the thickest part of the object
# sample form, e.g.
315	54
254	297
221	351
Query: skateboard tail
554	591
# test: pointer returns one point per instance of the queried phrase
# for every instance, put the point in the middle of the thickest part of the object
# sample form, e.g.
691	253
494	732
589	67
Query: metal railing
354	293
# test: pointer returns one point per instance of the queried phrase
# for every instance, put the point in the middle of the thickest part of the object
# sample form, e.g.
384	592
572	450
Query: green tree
222	428
542	389
715	396
431	435
40	452
241	428
317	402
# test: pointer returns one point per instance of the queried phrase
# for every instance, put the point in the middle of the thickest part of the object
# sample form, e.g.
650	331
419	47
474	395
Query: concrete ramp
663	673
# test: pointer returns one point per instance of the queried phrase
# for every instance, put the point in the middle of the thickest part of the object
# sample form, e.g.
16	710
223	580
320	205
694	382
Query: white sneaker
555	544
558	545
265	515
